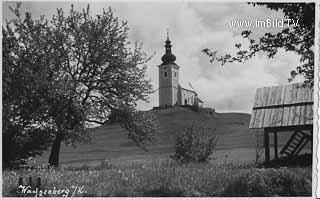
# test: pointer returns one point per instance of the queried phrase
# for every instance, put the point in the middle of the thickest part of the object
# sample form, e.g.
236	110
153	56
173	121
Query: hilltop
111	141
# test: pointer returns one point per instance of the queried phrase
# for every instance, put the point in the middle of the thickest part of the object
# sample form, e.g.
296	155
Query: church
171	93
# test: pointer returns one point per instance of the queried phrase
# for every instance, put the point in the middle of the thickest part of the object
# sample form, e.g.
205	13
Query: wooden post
266	146
38	182
20	181
30	181
311	141
275	144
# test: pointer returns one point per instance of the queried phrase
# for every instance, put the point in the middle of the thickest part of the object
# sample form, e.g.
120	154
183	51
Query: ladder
296	143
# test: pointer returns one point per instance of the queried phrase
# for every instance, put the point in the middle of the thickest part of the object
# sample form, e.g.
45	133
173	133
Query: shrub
238	187
163	192
194	144
105	164
269	182
19	145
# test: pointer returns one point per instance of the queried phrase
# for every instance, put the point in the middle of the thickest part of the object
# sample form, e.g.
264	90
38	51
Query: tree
26	132
298	39
72	71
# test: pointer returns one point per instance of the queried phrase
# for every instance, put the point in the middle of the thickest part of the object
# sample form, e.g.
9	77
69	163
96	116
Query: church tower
168	78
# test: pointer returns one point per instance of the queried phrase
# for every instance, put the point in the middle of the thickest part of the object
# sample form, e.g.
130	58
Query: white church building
171	93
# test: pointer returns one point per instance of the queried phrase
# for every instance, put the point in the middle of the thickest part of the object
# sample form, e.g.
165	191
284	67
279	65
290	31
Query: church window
175	74
165	74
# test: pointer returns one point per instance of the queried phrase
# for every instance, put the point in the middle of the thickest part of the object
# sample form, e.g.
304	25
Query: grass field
236	142
113	166
164	178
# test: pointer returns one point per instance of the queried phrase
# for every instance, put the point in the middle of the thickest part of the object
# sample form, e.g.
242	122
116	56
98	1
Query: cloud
194	26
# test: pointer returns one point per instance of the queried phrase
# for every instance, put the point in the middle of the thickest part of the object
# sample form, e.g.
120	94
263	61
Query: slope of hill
111	142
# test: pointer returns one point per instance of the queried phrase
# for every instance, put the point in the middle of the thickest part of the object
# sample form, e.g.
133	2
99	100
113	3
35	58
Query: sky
193	26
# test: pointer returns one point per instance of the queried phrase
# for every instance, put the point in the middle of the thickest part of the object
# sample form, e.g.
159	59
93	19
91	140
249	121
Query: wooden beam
285	147
290	128
305	141
283	105
266	146
275	145
311	141
300	145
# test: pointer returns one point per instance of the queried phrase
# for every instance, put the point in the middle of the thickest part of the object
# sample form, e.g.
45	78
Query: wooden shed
284	108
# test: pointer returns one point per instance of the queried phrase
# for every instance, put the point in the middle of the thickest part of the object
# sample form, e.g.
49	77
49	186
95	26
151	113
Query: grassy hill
235	140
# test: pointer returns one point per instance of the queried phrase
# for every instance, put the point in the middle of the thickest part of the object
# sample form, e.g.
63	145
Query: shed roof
282	106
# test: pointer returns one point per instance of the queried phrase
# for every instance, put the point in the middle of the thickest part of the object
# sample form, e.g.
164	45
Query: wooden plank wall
286	105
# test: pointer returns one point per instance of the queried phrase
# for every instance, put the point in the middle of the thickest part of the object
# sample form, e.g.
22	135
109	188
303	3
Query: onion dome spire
168	57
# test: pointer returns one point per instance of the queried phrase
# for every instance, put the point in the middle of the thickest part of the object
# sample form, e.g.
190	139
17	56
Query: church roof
168	57
187	88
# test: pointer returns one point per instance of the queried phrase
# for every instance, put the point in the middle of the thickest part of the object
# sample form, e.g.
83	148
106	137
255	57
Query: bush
194	144
19	145
269	182
163	192
238	187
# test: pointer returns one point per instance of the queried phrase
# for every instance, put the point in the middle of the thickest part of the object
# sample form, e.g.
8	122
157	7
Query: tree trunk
55	151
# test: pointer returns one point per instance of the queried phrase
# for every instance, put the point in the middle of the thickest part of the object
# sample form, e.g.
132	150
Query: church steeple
168	57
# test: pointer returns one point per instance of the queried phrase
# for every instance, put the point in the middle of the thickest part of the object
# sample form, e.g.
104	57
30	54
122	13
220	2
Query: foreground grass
170	180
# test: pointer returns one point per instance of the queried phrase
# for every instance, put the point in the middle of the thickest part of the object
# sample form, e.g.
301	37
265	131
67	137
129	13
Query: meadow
236	142
166	178
113	166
